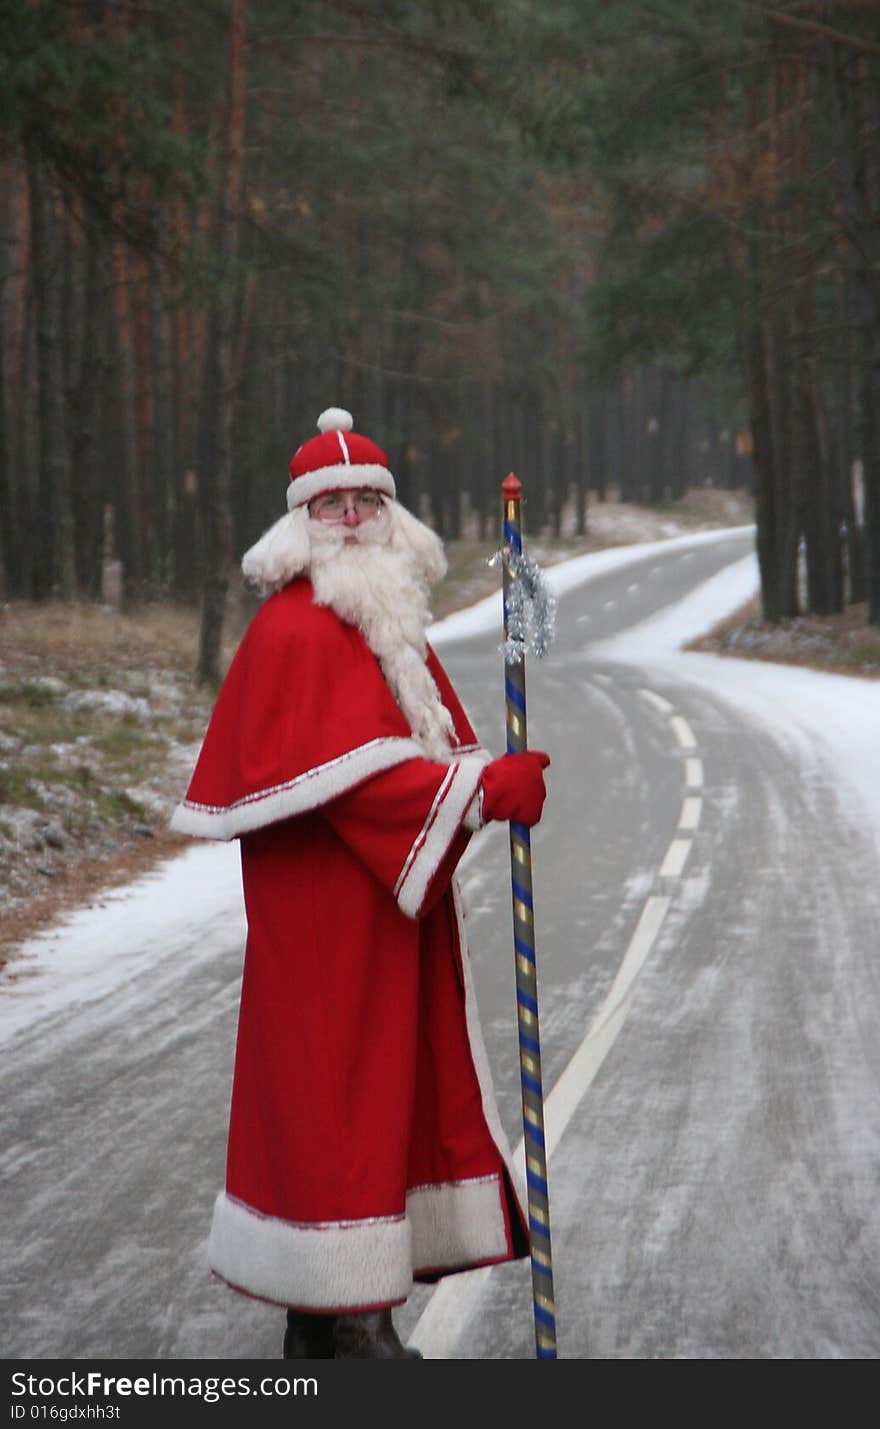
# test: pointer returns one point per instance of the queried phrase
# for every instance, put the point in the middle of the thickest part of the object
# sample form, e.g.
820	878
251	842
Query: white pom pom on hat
335	419
339	459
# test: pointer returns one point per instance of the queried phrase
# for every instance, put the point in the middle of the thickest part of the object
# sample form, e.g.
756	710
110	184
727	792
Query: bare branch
861	43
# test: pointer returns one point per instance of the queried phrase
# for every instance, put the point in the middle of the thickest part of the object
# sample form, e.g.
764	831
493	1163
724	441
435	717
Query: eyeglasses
335	505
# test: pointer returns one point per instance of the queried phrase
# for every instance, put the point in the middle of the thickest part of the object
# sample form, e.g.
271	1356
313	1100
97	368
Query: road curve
705	925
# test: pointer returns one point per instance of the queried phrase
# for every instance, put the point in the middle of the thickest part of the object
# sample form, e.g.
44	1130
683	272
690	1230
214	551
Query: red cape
304	714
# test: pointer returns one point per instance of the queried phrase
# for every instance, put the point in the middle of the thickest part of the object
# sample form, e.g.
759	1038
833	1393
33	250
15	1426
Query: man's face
349	509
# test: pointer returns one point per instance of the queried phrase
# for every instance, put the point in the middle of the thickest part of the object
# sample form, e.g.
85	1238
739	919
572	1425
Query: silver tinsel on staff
530	607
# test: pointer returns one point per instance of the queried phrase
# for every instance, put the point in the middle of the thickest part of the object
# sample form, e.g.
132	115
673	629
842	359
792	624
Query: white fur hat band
337	460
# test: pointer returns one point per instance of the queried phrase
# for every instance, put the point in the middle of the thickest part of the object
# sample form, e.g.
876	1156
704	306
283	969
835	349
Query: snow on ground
485	616
838	715
82	958
87	954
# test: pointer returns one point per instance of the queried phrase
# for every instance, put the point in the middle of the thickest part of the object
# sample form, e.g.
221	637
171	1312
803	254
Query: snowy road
707	915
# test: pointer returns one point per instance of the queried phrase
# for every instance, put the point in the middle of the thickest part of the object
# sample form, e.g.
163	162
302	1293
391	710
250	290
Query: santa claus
365	1148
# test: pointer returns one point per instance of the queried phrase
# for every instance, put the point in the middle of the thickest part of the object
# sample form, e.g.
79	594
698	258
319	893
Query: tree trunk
655	386
675	463
869	409
164	433
812	496
150	553
626	446
855	114
487	479
580	471
532	474
215	475
16	524
788	530
126	496
601	404
10	546
54	571
845	452
10	565
88	402
766	515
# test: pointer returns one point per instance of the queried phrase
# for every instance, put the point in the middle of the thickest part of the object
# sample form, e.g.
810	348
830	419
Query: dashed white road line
683	732
676	855
691	809
657	701
676	858
693	773
438	1329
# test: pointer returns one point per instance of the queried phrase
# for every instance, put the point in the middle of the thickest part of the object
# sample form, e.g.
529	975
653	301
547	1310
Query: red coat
365	1148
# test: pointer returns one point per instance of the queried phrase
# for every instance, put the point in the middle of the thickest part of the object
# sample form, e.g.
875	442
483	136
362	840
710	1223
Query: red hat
339	459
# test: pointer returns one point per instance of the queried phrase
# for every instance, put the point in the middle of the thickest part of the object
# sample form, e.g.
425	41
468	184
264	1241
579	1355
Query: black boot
309	1337
369	1335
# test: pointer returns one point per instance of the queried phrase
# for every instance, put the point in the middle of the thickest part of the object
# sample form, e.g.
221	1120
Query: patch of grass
139	639
43	721
711	503
468	578
117	807
17	788
682	515
843	644
863	653
38	786
123	738
30	693
103	800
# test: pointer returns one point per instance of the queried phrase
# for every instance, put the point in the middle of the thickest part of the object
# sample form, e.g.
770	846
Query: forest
628	249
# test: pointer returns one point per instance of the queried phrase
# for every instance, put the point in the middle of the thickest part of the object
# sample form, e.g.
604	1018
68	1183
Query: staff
524	945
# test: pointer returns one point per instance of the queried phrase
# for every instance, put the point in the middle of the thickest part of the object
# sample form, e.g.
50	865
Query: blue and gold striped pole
526	972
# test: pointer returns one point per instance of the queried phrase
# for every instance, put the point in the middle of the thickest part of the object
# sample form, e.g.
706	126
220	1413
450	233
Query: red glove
513	787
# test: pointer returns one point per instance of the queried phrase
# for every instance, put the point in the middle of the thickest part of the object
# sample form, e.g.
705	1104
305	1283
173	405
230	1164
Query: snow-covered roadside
94	950
134	927
835	716
485	616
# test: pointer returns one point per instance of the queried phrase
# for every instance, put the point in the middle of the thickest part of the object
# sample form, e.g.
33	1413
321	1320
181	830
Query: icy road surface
706	923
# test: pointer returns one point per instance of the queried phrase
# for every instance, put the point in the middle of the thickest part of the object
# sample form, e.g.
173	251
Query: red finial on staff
511	487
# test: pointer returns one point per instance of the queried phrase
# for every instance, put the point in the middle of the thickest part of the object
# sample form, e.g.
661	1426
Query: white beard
380	583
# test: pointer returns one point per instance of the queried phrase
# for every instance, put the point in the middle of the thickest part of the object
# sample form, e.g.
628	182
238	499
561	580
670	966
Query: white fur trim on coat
297	796
326	1266
459	1223
336	1265
445	818
347	476
473	815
